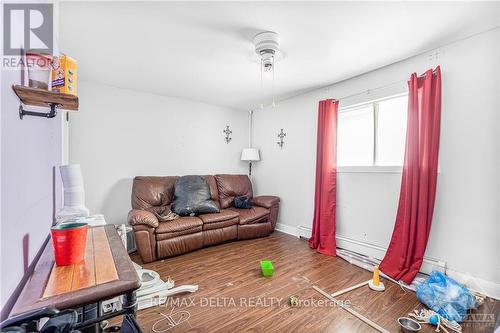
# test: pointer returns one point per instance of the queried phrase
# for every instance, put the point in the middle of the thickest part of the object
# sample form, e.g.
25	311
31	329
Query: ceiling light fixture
267	47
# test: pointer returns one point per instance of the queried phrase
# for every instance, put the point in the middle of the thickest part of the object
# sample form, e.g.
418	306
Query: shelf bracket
51	114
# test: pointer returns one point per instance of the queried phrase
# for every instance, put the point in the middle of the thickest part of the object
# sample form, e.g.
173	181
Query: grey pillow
192	197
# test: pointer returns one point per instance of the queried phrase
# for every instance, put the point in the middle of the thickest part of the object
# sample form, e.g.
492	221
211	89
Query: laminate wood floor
234	297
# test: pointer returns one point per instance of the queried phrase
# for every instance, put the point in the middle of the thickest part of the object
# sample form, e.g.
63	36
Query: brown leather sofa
157	239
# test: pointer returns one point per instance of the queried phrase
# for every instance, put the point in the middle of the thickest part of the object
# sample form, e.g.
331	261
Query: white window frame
374	168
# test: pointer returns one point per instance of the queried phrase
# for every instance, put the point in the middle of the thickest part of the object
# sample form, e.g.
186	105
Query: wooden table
106	272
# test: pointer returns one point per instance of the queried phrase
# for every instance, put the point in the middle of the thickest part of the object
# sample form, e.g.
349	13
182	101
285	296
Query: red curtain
418	185
325	197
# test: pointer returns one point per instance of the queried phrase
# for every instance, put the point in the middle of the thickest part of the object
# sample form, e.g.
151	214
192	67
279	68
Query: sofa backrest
213	189
151	192
231	186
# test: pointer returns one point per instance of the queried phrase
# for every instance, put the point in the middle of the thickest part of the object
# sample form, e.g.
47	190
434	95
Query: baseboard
486	287
481	286
303	231
378	252
287	229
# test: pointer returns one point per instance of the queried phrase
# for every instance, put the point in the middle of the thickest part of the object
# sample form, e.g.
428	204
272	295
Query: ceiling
203	51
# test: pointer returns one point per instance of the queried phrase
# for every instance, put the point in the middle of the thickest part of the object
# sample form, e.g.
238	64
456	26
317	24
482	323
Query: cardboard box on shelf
64	75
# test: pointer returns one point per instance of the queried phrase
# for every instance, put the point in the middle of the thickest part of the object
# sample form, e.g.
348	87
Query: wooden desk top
107	271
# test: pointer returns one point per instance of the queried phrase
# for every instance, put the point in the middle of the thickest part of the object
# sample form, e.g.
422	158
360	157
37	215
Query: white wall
31	149
118	134
466	219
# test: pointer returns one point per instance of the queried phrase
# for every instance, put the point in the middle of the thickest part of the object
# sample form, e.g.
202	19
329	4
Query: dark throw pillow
242	202
192	197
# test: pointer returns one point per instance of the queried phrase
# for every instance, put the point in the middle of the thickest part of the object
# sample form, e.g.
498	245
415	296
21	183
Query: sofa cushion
169	235
231	186
214	191
253	215
223	215
221	224
181	224
152	191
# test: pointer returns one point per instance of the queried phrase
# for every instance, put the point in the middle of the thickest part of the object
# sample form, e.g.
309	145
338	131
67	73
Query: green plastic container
267	268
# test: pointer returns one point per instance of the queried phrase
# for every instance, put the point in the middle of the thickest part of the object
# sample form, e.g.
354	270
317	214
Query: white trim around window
369	169
373	169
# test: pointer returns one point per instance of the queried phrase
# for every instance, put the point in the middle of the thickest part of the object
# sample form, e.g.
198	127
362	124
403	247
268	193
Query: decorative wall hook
227	132
281	136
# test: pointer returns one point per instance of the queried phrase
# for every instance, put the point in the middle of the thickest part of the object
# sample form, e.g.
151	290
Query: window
355	132
373	134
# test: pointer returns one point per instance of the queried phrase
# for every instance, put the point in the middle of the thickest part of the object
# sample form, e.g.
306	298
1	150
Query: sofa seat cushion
221	224
181	224
253	215
223	215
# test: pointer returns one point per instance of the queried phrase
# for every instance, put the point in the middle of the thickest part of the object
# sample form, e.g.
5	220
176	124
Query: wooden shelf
39	97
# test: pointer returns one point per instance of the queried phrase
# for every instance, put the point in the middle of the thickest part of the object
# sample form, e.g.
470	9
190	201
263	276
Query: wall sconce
281	136
227	132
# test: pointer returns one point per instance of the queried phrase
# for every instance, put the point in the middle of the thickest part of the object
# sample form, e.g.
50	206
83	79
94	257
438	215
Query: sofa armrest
142	217
145	240
266	201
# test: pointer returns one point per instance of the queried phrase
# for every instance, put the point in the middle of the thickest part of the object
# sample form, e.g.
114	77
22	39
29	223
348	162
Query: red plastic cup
69	241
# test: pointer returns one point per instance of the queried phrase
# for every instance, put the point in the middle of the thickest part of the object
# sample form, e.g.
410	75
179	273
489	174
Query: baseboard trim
482	286
287	229
378	252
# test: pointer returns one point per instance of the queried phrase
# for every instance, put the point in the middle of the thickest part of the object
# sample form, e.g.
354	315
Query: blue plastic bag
448	298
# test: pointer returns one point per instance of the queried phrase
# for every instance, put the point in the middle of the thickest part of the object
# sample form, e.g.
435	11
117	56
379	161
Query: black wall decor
281	136
228	133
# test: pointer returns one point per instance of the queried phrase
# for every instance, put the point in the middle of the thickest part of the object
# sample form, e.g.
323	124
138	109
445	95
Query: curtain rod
367	91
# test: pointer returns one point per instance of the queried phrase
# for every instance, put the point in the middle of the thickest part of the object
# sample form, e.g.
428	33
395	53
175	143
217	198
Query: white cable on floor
423	317
171	323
